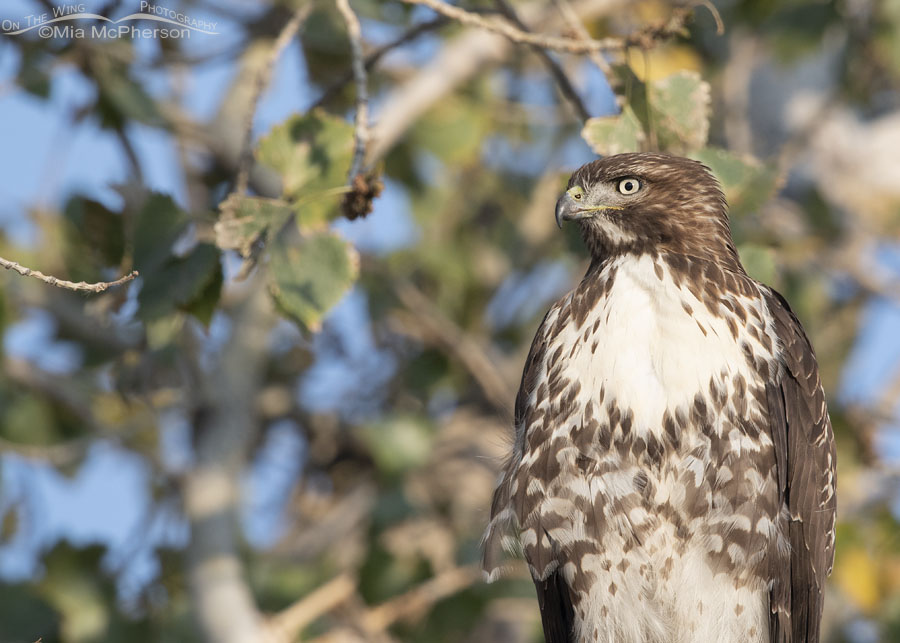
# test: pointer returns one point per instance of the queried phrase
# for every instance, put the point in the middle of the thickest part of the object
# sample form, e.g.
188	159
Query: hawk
673	472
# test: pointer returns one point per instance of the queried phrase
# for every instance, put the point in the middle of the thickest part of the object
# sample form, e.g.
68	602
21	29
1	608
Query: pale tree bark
224	429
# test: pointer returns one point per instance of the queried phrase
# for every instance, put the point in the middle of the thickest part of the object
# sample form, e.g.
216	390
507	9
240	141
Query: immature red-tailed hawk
672	478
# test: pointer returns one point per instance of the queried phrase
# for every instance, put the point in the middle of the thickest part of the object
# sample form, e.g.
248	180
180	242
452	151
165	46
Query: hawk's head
648	203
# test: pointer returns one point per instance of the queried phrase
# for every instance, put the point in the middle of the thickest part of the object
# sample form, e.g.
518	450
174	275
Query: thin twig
643	38
67	395
361	136
720	26
576	25
263	79
462	57
81	286
431	325
376	55
559	75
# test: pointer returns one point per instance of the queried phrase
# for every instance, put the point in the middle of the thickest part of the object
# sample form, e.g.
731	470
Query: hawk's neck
707	277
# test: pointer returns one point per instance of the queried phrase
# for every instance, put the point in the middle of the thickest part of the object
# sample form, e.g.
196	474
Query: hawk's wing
805	461
557	613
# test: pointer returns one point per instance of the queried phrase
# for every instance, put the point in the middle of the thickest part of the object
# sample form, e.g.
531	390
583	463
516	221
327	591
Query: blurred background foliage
317	408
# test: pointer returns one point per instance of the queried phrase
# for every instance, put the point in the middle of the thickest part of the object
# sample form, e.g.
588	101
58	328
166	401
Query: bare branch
361	136
374	621
464	56
417	600
559	75
372	59
717	17
575	24
431	325
225	427
644	38
263	78
81	286
67	394
287	624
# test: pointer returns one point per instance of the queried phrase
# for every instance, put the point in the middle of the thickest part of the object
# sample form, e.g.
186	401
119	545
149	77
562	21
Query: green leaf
748	183
28	419
399	444
454	130
614	134
680	111
26	616
309	277
94	238
204	305
159	224
33	74
245	219
178	283
312	153
73	585
123	100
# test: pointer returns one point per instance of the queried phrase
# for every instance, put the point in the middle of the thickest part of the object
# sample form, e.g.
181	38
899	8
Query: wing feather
554	595
497	533
805	459
557	613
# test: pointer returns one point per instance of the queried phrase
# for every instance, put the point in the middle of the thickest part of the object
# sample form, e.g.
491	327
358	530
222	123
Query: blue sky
45	158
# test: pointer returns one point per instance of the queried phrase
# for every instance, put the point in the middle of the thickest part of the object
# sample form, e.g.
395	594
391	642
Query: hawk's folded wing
805	459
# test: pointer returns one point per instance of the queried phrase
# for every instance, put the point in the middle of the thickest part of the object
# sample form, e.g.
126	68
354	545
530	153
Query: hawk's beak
567	209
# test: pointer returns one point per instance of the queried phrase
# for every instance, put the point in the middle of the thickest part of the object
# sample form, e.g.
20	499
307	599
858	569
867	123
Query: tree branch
287	624
411	604
644	38
559	75
459	60
81	286
431	325
263	78
361	135
372	59
574	23
417	600
224	428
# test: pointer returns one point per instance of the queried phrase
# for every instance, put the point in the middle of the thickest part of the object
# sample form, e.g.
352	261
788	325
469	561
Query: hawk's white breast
656	345
648	347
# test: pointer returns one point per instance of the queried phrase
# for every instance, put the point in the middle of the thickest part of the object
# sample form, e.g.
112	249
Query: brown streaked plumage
672	477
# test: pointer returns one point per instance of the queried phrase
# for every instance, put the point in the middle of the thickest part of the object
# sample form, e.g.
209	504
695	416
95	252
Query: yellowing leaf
680	111
245	218
857	575
661	62
671	114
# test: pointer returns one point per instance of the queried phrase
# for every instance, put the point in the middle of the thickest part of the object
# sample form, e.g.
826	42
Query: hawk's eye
629	186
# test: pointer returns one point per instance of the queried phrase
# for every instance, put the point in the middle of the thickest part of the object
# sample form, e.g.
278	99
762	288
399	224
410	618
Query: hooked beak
568	209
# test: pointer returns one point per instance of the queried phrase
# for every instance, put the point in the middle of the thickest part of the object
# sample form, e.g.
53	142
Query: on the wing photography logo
75	21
